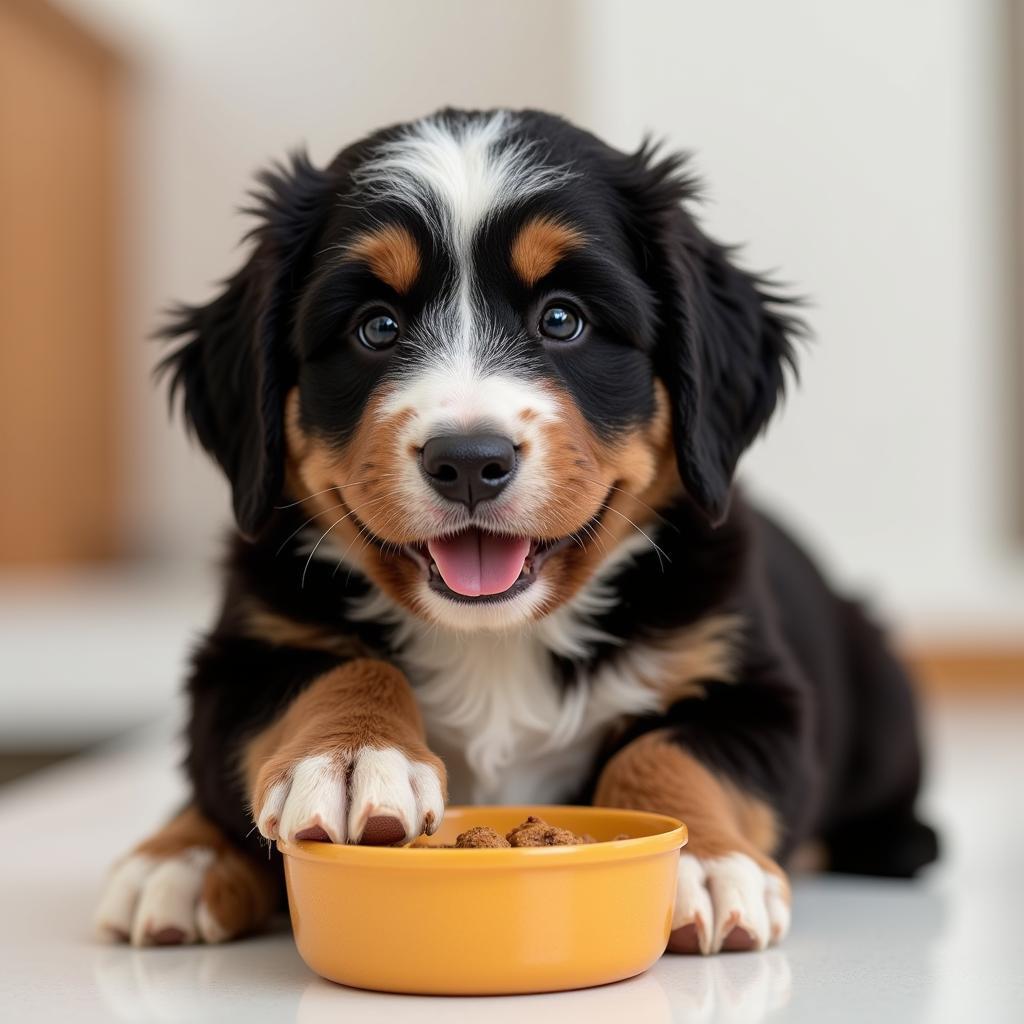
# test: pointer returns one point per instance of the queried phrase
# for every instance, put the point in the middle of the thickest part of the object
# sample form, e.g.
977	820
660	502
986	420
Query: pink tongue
474	563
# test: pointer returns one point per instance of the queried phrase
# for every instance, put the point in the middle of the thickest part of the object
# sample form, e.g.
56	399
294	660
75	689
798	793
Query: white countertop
944	949
89	653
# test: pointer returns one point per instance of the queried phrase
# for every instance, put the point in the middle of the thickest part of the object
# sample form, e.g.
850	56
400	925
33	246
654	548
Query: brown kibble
537	832
532	832
480	837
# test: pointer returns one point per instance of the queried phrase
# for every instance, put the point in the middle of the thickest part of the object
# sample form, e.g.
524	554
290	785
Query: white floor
943	949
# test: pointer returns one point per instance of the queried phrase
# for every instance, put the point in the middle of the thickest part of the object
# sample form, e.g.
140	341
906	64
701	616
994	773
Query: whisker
337	487
364	528
341	560
385	545
644	504
662	554
596	537
299	529
305	568
633	497
351	512
331	508
315	494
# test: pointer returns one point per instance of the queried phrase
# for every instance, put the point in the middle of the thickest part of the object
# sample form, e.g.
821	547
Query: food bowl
489	921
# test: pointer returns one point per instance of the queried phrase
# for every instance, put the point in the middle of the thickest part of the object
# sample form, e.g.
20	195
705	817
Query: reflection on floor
941	950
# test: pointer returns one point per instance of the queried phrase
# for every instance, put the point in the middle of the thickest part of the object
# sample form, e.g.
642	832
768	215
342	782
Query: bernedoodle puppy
480	391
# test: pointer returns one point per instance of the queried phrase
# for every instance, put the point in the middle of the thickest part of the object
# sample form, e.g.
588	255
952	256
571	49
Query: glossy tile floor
943	949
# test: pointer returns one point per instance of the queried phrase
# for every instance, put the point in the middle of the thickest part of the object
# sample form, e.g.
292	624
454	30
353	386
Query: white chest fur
506	725
497	711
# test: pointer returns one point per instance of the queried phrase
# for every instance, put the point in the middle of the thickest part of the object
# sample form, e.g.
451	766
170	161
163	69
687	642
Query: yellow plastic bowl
487	922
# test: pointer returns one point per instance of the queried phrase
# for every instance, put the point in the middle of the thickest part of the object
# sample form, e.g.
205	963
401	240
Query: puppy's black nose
469	468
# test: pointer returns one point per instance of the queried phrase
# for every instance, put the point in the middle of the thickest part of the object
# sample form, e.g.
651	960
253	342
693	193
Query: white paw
156	901
378	797
727	903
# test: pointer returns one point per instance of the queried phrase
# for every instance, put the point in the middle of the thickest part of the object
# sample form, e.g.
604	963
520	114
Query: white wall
853	145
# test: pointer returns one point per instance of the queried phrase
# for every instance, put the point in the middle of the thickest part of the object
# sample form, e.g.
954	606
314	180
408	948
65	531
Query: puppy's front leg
347	762
730	895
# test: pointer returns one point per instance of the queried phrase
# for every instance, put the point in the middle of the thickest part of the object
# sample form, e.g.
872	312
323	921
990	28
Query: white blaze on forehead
456	173
459	170
469	371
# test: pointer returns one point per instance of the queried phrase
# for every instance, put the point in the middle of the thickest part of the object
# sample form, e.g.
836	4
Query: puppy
480	391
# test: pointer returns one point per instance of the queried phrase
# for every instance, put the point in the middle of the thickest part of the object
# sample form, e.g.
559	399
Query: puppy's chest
508	726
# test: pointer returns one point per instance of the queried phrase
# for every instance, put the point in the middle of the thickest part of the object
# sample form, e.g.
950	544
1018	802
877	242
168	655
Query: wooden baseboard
968	668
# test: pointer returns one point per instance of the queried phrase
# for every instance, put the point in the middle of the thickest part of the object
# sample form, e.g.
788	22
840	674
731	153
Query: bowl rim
672	835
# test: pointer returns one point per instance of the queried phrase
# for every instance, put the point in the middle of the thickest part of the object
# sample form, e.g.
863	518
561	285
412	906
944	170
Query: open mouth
475	566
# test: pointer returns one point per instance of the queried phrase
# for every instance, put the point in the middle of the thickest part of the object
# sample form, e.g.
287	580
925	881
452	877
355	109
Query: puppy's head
480	350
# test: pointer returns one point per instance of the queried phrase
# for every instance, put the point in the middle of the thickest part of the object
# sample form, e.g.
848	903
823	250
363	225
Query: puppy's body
480	394
754	661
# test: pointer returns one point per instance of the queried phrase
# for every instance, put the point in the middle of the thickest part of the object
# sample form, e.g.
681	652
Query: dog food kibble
532	832
536	832
480	837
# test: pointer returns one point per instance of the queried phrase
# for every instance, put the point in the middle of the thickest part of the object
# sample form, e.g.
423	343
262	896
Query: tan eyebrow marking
541	243
391	253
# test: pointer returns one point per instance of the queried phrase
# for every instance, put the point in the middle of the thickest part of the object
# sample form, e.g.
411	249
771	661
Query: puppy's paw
727	903
195	895
372	796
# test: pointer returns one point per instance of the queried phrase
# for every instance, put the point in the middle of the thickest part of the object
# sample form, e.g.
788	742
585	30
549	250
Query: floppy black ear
236	365
725	338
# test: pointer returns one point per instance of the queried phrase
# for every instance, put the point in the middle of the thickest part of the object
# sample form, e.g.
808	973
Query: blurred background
869	153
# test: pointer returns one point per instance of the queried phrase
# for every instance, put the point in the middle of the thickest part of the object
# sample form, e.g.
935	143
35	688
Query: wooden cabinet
60	446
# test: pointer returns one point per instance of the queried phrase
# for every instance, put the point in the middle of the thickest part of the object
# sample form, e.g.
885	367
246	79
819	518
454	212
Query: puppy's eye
561	323
379	331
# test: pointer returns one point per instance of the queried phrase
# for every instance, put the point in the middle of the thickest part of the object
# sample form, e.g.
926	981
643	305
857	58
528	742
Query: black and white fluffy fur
526	697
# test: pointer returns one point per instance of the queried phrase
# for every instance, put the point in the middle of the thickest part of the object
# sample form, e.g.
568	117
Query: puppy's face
476	420
459	362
